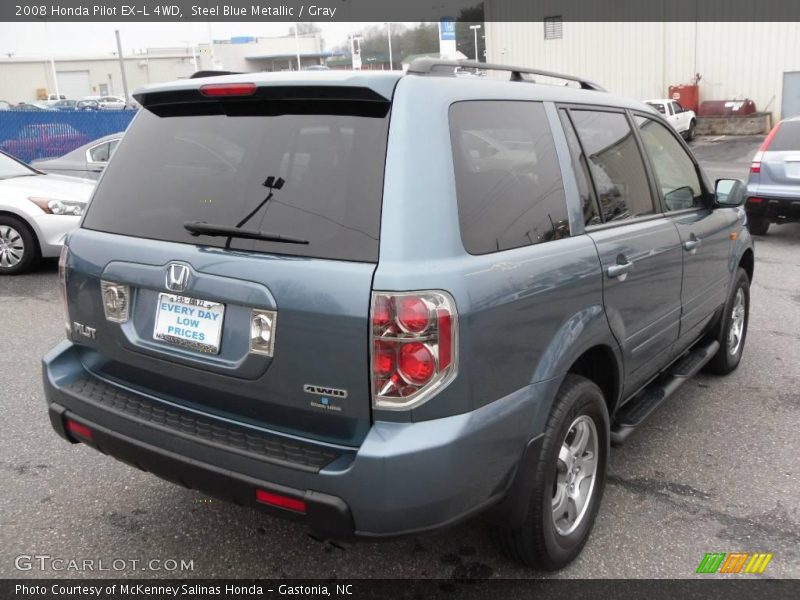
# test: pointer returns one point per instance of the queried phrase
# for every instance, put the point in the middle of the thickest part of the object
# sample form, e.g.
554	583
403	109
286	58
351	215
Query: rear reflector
754	200
228	89
280	501
78	429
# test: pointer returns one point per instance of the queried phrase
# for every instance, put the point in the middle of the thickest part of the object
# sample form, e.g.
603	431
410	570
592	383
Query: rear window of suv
508	179
787	138
213	168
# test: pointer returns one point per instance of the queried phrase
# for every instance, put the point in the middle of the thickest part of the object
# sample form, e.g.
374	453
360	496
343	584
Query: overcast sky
29	39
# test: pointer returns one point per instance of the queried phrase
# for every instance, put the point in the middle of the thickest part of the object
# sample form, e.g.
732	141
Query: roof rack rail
427	66
200	74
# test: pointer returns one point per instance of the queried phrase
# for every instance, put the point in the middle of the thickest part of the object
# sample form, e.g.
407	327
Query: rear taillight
62	285
755	166
414	343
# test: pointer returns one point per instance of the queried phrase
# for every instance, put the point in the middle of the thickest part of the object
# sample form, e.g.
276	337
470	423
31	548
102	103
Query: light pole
389	35
475	31
122	68
297	47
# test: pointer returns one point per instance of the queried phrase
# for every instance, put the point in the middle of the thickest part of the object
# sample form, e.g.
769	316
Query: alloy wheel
736	329
576	472
12	247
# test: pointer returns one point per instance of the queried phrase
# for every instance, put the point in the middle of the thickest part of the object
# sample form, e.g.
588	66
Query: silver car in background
88	161
773	187
37	211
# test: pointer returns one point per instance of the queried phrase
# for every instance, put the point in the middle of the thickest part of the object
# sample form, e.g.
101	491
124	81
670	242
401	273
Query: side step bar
635	412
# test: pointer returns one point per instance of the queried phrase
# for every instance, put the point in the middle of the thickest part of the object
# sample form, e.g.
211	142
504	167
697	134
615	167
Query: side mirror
729	193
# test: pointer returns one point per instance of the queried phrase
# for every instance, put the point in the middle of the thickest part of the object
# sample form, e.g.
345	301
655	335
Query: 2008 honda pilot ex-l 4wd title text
381	303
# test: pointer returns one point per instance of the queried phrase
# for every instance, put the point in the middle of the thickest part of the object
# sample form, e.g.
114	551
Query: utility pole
297	47
389	34
52	60
122	67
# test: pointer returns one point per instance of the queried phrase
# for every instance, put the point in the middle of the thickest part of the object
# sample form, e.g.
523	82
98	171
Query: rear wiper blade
197	228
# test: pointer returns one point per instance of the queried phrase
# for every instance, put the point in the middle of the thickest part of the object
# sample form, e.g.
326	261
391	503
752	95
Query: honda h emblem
177	277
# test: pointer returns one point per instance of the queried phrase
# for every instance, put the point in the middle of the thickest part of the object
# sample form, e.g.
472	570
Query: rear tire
732	331
758	225
566	497
19	249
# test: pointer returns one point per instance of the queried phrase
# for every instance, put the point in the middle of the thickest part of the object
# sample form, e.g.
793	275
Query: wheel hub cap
576	470
12	248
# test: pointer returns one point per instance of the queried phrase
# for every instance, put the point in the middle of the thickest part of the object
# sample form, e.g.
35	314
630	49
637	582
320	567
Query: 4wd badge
327	396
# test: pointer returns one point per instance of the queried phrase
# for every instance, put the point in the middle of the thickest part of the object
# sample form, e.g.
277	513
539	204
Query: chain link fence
31	134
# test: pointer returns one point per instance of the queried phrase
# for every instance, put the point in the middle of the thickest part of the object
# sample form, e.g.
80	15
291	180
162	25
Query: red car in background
43	140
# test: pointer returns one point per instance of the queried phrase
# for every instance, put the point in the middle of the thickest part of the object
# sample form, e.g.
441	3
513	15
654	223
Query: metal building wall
641	59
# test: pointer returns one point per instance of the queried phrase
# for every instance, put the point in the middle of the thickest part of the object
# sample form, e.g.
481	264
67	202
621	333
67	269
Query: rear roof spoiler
200	74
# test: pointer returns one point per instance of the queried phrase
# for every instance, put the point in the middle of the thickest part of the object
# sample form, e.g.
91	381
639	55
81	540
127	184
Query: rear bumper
774	208
404	478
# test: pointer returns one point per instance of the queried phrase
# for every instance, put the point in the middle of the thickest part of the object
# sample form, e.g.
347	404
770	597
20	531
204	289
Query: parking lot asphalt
714	470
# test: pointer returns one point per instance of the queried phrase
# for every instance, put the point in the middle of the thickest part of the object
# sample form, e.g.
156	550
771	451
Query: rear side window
616	164
787	139
508	178
213	168
591	212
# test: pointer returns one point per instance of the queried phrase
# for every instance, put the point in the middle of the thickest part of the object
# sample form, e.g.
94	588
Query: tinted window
617	169
508	179
787	138
591	213
658	106
675	172
213	167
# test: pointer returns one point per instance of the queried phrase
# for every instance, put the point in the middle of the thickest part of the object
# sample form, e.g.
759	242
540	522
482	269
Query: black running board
636	412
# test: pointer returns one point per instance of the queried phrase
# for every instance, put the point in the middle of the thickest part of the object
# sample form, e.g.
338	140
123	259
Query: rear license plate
189	322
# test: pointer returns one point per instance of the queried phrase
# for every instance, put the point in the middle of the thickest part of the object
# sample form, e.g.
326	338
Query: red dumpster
687	95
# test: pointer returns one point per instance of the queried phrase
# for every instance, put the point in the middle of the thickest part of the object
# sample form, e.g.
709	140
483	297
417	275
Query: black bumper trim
270	448
327	516
778	209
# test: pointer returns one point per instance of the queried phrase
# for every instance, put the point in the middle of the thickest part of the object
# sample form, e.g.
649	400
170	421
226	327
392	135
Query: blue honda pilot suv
381	303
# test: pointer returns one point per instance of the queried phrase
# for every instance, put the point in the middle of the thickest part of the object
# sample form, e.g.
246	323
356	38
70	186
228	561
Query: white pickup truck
684	121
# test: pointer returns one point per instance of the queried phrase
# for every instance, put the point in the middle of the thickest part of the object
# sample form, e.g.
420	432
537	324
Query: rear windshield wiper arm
197	228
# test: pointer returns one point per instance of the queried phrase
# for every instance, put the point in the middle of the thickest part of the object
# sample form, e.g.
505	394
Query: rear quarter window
508	179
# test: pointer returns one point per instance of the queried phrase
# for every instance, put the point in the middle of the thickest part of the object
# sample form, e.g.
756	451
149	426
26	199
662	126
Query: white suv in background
683	120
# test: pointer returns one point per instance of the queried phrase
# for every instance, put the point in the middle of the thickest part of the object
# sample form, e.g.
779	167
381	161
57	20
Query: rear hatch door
303	163
780	163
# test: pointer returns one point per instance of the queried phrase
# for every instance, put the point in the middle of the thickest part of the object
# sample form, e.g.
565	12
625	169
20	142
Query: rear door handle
619	271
